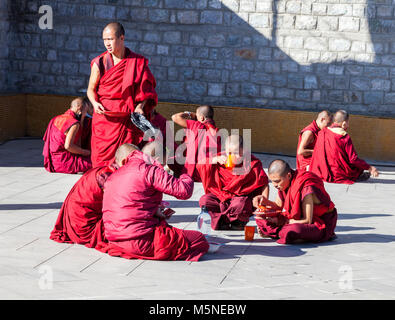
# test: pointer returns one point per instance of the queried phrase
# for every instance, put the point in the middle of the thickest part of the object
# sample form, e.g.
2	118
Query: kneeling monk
132	197
308	214
230	190
335	159
62	147
80	218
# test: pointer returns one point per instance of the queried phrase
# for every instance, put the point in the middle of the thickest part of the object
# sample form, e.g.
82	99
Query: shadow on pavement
24	206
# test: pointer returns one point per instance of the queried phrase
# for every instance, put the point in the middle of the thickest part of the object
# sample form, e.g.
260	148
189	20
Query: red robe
201	144
80	218
56	157
121	88
324	214
335	159
303	161
228	196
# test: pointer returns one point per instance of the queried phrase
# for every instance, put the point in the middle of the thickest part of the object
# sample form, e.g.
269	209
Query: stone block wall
298	55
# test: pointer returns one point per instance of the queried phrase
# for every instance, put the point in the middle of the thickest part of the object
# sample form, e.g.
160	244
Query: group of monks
116	206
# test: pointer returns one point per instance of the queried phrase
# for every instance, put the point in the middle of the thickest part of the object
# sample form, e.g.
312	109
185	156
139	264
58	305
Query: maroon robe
324	214
228	197
335	159
303	161
56	157
120	89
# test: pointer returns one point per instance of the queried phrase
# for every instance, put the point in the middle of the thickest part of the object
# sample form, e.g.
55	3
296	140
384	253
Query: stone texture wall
299	55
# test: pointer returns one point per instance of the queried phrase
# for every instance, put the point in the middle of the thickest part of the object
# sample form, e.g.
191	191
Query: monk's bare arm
92	86
182	117
262	200
308	208
307	138
70	146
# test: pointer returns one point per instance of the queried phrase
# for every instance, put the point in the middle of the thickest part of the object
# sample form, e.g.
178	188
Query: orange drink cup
249	232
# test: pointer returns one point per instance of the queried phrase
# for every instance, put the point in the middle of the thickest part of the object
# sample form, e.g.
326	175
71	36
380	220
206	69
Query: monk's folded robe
56	157
303	161
335	158
132	196
120	89
80	218
228	196
202	143
324	214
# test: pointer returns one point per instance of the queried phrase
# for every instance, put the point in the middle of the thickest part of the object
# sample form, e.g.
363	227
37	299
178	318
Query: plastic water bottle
204	221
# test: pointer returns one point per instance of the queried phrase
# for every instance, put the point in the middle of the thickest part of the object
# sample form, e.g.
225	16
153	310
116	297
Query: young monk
62	147
132	197
80	218
308	214
335	159
229	191
200	141
307	139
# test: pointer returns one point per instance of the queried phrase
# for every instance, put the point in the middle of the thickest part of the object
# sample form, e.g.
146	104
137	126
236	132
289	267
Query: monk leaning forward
132	197
230	187
307	212
120	83
62	141
335	158
308	138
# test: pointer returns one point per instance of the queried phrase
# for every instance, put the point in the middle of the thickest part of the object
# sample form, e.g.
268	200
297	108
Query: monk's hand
256	201
98	107
373	171
219	160
140	107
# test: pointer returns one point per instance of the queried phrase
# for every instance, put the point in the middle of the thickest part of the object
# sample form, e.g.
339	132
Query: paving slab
357	265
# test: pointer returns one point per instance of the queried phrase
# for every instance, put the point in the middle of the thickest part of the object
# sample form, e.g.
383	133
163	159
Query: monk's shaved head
77	102
323	114
117	27
324	119
206	111
341	116
235	141
156	150
279	167
123	151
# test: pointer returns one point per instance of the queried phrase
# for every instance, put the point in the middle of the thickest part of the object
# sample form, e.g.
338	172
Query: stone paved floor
359	264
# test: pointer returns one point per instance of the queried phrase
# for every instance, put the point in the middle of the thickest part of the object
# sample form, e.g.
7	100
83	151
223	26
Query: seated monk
307	139
132	197
308	214
80	218
87	126
335	159
200	142
62	147
229	191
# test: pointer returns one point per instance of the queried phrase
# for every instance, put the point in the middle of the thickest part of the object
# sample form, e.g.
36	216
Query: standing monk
120	83
308	214
307	139
229	191
62	141
335	158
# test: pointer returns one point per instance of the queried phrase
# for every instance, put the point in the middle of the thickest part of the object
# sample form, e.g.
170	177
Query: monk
308	137
120	83
132	197
308	214
62	141
80	217
201	141
228	196
87	126
335	159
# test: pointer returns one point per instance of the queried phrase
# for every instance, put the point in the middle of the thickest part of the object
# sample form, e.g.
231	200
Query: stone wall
299	55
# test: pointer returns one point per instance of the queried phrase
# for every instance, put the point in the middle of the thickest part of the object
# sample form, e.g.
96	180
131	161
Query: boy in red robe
229	191
308	214
62	141
201	141
120	83
307	139
335	159
132	198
